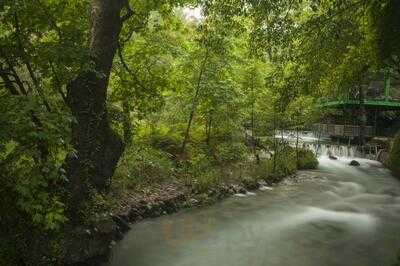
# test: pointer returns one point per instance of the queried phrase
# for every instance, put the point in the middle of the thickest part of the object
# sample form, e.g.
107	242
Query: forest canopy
101	96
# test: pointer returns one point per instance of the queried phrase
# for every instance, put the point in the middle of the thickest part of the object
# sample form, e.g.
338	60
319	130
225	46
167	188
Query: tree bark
97	147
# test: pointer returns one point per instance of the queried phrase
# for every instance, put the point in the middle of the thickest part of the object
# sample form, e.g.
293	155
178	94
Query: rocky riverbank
157	200
170	198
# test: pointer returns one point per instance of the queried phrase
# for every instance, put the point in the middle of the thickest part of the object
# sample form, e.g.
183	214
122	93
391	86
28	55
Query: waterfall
337	150
321	146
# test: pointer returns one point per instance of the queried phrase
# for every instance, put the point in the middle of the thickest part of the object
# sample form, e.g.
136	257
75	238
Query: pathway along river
336	215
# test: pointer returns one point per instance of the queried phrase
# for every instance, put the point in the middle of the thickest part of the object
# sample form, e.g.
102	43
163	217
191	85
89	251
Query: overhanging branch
126	67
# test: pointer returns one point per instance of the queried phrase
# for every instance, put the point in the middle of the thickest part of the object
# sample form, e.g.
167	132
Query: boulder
82	245
121	223
242	190
354	163
394	157
193	202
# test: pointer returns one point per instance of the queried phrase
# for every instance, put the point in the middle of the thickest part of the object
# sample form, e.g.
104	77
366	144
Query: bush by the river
307	160
143	164
162	137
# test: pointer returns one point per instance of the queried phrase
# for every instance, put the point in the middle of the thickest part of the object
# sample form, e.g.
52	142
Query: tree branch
58	83
36	82
126	67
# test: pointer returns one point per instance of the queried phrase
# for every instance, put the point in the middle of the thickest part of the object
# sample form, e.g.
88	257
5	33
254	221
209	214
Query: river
337	215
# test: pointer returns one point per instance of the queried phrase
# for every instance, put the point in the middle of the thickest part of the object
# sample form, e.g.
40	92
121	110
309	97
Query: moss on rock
394	157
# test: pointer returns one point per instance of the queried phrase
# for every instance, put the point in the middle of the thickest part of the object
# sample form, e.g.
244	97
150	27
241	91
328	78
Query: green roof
381	104
385	103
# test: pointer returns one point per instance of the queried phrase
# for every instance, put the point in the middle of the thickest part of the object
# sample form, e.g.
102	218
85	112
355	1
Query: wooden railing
344	130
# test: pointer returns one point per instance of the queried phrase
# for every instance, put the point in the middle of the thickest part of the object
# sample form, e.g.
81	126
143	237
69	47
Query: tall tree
97	147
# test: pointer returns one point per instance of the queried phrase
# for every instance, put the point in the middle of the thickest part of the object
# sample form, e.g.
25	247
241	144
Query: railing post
387	83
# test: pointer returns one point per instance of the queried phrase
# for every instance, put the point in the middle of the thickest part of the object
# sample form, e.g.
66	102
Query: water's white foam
367	198
346	189
359	221
265	188
345	207
332	195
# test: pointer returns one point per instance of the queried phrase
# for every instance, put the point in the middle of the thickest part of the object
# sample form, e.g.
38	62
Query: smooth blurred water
336	215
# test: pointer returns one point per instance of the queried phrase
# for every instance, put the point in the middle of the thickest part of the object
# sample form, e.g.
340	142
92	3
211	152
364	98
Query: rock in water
354	163
121	223
193	202
242	190
265	188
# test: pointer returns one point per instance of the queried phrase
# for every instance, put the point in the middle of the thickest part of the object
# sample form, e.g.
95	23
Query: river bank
96	241
162	199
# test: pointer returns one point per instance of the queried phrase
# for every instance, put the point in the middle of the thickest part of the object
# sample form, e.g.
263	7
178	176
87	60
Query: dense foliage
195	100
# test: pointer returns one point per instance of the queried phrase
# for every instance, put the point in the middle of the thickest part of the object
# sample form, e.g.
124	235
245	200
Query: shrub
231	152
205	180
32	191
285	162
261	170
307	160
143	164
96	208
203	172
163	138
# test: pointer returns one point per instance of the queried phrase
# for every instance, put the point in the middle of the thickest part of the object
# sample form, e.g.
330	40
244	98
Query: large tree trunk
97	147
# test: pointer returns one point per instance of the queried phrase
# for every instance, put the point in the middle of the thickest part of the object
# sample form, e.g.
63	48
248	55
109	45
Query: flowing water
337	215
